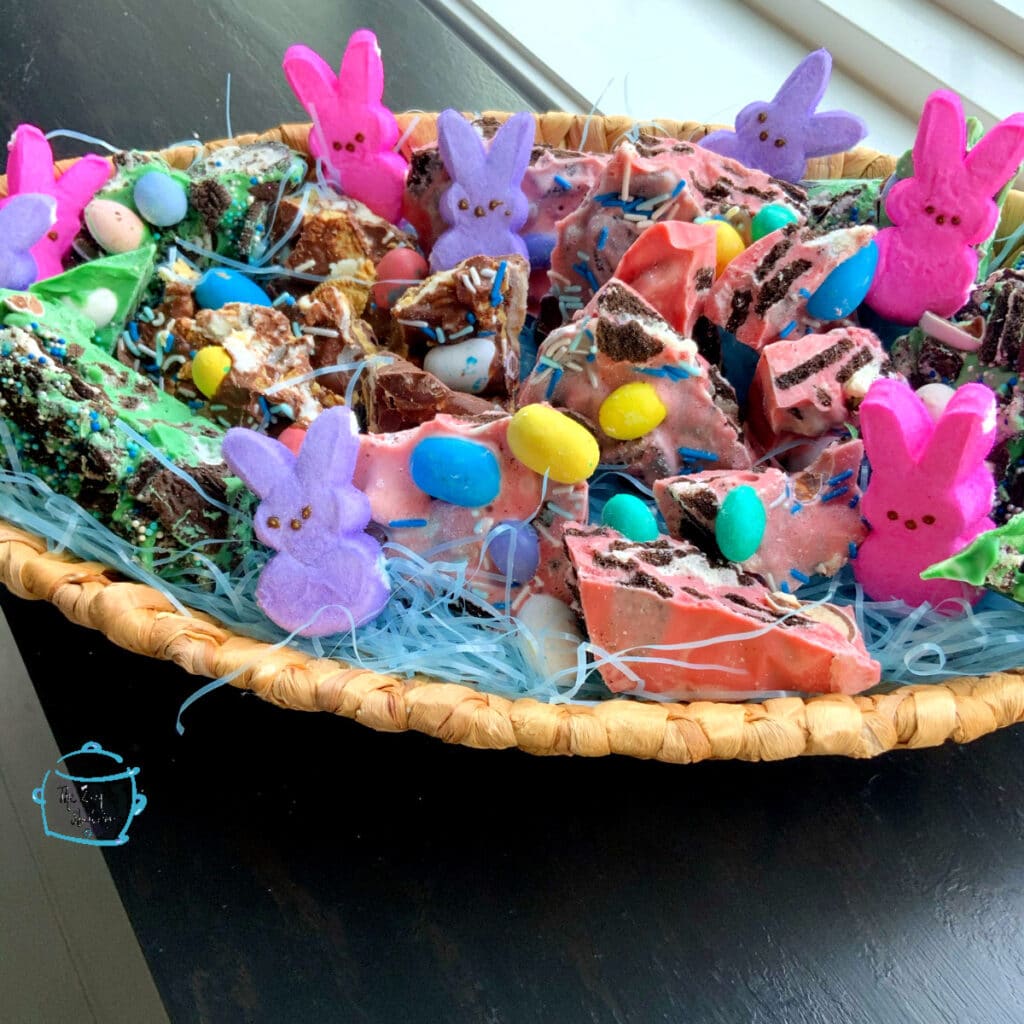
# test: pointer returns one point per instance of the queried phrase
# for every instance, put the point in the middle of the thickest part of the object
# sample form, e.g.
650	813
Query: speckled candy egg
114	227
463	366
160	199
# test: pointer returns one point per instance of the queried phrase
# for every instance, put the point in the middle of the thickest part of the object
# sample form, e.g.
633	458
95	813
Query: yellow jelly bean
728	244
631	411
210	366
547	441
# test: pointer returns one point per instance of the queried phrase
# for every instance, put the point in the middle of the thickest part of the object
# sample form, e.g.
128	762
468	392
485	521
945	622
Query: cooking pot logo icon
83	801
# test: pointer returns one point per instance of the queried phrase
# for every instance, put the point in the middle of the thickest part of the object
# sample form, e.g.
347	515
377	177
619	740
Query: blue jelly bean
844	289
457	471
160	199
514	548
740	523
219	286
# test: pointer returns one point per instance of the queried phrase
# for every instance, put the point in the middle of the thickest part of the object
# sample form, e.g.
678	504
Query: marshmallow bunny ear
941	137
362	71
30	163
997	156
509	155
461	149
896	425
963	436
329	450
260	461
807	82
311	79
81	181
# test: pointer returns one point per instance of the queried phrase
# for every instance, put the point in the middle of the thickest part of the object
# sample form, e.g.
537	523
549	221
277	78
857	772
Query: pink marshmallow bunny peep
30	169
353	132
930	491
927	260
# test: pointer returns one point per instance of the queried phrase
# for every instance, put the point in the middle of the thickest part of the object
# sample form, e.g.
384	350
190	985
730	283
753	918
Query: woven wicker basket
140	619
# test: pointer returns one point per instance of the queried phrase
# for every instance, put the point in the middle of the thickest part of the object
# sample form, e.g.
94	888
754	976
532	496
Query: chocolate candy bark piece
335	231
75	414
672	265
418	519
811	384
620	341
636	596
762	295
475	311
812	526
261	354
398	395
634	191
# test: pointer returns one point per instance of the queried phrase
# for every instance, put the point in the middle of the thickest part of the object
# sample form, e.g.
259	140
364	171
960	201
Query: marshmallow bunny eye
463	204
892	515
360	137
762	117
274	523
928	520
494	204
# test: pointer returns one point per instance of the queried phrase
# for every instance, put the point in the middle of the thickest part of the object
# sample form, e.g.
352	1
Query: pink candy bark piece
30	168
353	132
812	515
634	191
422	522
619	339
634	596
930	492
927	260
762	294
672	265
811	384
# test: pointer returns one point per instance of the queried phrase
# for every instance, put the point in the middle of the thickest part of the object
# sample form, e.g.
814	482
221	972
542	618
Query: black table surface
298	867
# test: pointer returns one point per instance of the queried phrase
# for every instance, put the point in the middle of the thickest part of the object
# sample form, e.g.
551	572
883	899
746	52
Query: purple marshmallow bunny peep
778	137
484	206
328	574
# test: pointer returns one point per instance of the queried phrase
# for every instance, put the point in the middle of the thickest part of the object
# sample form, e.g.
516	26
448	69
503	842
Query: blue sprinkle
804	293
563	183
471	360
839	477
784	587
471	318
854	501
798	575
587	274
788	329
794	508
697	453
591	357
609	199
399	523
496	286
254	181
602	239
484	334
133	330
679	188
556	376
836	492
852	549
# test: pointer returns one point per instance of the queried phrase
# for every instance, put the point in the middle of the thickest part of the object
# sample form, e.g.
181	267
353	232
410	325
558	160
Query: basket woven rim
141	619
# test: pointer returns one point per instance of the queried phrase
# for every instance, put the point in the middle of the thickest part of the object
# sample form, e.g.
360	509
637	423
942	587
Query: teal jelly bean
739	526
631	517
460	472
770	218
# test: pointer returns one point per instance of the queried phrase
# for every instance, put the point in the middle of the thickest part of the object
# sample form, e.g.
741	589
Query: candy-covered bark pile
628	412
